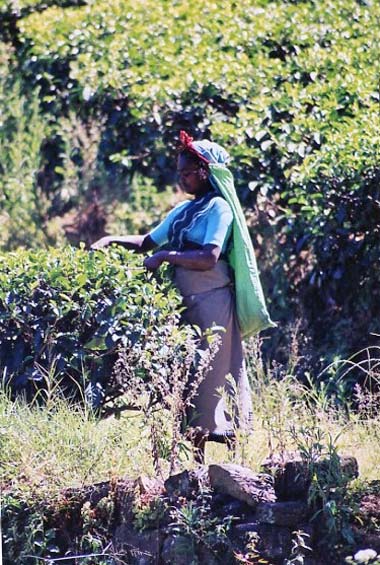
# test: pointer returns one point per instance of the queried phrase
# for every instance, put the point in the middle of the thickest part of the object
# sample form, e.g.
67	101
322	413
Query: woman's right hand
101	243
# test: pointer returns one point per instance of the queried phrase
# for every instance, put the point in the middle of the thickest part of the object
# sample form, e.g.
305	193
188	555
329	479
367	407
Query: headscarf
207	151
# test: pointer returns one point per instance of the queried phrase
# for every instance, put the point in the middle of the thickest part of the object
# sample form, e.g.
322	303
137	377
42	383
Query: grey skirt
209	300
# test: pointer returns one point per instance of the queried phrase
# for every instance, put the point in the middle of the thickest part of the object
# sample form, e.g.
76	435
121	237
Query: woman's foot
198	438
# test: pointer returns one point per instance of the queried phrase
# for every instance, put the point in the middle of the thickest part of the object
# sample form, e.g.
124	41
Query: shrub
23	130
65	312
280	84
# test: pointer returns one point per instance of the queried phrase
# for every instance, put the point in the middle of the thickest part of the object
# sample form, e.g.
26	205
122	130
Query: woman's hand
101	243
154	261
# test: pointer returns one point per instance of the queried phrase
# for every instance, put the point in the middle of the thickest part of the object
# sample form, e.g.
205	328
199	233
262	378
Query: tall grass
60	445
67	446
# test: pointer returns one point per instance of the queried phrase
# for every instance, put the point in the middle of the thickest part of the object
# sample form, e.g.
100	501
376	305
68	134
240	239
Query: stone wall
228	514
216	514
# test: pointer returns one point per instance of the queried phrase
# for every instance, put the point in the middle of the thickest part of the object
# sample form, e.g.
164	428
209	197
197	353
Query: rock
367	539
180	485
146	485
223	505
207	557
242	483
143	548
125	495
238	509
219	499
349	468
292	473
187	483
288	514
177	550
241	529
273	542
89	493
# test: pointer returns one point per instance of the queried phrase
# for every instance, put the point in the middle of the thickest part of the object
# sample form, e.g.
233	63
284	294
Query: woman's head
193	163
192	173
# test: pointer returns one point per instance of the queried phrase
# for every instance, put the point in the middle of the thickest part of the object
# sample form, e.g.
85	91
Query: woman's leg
199	444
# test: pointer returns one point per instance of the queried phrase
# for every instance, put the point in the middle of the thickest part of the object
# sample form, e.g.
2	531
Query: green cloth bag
251	310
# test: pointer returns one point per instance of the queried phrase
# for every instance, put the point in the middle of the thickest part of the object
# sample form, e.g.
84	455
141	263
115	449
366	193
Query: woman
199	233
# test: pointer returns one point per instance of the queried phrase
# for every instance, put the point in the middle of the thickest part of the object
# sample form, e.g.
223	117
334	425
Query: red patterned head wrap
187	145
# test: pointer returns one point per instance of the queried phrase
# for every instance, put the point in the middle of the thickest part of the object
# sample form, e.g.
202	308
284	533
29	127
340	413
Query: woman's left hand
154	261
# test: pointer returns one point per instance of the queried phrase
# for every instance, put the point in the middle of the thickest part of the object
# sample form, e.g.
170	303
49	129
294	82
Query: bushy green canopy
65	313
290	88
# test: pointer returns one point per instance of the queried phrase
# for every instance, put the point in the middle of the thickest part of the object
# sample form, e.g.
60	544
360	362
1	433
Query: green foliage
33	528
280	84
290	88
364	496
328	490
47	448
275	91
20	6
138	206
197	526
65	312
23	532
22	132
80	171
148	511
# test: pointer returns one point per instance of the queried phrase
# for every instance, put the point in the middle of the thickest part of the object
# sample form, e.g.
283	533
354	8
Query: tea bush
280	85
290	88
24	205
21	6
65	312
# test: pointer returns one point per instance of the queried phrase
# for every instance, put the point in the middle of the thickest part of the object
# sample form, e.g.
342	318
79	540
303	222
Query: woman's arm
139	243
198	260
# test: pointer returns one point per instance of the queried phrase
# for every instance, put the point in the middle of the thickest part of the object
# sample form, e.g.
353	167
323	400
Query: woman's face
190	176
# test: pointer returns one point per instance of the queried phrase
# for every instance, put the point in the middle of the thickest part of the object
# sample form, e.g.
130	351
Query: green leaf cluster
290	88
280	84
65	312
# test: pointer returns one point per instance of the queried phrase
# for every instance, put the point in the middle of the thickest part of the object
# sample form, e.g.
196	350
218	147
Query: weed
300	549
193	519
327	493
173	384
251	555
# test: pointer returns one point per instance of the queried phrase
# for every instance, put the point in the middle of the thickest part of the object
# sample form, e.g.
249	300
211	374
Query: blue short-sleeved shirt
212	228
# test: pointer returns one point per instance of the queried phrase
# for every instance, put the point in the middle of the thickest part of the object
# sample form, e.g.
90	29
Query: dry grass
59	445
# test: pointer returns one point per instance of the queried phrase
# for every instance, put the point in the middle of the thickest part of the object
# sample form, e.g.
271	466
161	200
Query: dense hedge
279	83
275	81
65	312
290	88
20	7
